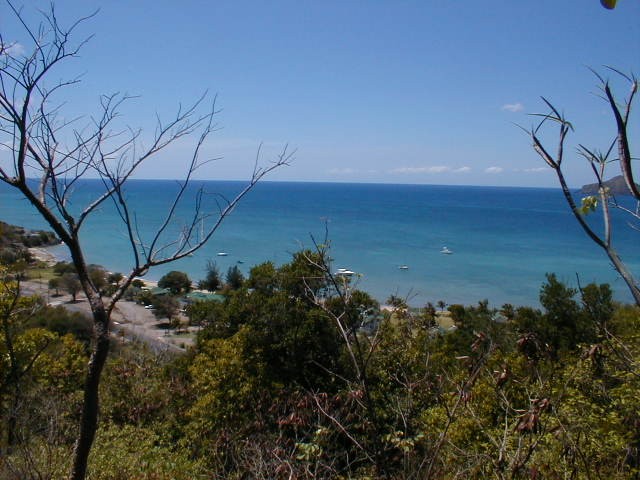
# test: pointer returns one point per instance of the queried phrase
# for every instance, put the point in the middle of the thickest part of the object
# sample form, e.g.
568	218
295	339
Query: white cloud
438	169
342	171
13	49
513	107
536	170
431	169
494	170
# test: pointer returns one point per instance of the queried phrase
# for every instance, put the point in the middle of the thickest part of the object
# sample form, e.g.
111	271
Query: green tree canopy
234	278
166	306
71	283
176	282
212	280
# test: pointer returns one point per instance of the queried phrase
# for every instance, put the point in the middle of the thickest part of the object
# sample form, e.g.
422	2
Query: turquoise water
504	239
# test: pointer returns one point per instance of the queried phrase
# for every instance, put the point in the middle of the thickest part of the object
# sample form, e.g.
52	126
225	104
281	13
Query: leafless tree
360	350
599	161
50	155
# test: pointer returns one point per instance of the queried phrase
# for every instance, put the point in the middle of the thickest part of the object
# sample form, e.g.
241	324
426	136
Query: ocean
504	240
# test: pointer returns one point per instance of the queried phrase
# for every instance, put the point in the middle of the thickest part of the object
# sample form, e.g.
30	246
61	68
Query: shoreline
390	227
45	255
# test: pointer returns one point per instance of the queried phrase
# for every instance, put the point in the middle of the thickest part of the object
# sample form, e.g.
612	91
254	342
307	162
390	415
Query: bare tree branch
59	152
598	163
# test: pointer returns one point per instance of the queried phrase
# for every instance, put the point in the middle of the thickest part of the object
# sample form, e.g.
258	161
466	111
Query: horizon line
339	182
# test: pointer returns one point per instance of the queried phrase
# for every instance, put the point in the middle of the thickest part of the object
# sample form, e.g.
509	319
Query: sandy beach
43	254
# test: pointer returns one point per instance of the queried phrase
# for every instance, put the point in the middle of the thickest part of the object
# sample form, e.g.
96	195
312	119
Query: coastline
50	258
45	255
373	230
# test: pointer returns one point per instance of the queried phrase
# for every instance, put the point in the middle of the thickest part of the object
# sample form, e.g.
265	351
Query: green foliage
62	366
260	345
588	205
167	307
566	323
41	459
62	321
115	278
55	285
98	277
145	297
176	282
428	316
41	373
14	235
397	303
228	382
12	255
303	275
356	311
457	313
212	280
15	242
597	301
128	452
274	389
61	268
514	392
234	278
205	314
137	388
71	283
263	278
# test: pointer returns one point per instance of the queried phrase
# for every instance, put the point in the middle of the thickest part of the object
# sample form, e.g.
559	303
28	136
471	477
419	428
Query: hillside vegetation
296	374
15	242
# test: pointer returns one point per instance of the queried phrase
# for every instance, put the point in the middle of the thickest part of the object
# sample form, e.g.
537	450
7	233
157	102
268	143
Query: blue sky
375	91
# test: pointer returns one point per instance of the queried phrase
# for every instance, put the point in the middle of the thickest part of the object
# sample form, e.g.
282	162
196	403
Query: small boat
403	267
222	254
446	251
345	272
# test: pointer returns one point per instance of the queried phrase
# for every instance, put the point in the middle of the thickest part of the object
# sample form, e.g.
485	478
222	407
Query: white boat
403	267
446	251
344	272
222	254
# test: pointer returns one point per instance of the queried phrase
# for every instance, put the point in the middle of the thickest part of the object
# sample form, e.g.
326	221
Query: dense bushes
15	242
284	382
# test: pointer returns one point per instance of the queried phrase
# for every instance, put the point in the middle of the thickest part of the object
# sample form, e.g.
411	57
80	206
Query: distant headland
616	185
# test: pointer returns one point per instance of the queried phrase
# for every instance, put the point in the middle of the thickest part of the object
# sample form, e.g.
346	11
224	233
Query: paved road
129	320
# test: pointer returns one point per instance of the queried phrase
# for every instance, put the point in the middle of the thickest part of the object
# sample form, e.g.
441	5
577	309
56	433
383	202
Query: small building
158	291
199	296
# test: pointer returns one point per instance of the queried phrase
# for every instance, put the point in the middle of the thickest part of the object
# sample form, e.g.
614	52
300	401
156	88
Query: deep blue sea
504	239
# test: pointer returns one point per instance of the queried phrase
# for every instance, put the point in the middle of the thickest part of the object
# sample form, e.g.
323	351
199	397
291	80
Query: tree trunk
89	419
625	274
